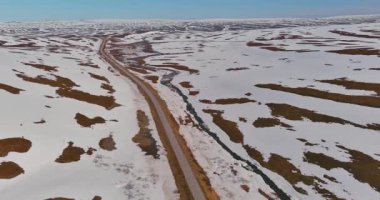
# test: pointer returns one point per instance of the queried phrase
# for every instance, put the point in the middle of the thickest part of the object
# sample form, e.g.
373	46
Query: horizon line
190	19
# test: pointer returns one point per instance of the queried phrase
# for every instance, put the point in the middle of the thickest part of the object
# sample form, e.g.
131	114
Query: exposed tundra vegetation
268	109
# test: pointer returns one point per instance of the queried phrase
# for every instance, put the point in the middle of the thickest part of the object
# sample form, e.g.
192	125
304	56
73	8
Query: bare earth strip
369	101
188	177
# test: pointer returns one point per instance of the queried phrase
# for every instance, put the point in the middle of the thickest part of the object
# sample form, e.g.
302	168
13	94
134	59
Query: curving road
190	177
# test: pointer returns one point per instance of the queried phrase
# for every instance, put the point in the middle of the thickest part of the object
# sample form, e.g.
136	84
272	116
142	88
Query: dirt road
152	96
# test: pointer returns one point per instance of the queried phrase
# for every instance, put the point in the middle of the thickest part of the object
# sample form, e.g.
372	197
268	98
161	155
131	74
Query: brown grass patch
9	170
158	38
289	172
228	101
348	84
363	167
257	44
186	84
89	64
70	58
90	151
245	188
10	89
193	93
270	47
107	143
88	122
70	154
307	143
295	113
108	87
229	127
373	126
267	196
345	33
178	67
273	48
43	67
206	101
237	69
242	119
108	102
269	122
375	32
281	166
22	45
19	145
152	78
144	137
42	121
332	179
98	77
59	81
187	120
298	114
97	198
357	51
352	99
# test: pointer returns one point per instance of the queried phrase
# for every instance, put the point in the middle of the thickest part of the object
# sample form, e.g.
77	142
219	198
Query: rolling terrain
249	109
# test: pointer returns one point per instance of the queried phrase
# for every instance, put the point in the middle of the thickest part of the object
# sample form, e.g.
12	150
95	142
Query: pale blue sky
32	10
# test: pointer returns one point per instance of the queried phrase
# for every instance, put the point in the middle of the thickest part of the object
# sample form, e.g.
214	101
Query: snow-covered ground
45	118
310	144
322	154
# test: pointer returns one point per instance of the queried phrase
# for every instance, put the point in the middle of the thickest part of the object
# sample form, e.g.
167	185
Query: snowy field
69	124
302	103
269	108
